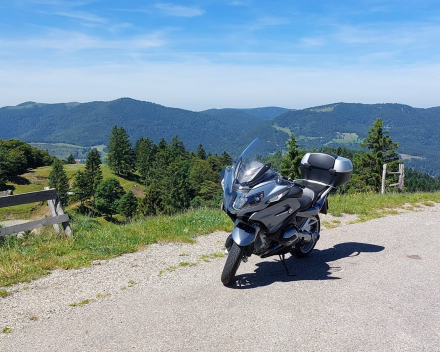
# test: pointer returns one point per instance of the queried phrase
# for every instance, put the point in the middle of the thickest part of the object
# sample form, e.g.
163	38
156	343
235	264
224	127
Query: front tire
235	256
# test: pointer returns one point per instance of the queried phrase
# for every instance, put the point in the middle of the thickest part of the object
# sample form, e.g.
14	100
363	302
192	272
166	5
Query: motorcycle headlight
245	200
279	196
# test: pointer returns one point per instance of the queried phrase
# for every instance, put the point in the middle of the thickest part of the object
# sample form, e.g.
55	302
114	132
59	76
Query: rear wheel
303	249
235	255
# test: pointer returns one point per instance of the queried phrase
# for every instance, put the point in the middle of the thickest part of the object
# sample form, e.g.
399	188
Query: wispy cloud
73	41
240	3
178	10
312	41
401	35
83	16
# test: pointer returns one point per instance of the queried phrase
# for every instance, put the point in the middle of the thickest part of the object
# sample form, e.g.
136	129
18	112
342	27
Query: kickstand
283	260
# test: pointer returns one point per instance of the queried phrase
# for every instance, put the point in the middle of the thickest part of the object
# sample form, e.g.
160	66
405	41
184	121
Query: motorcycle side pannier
326	168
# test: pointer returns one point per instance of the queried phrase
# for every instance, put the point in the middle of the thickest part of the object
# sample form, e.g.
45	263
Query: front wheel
235	255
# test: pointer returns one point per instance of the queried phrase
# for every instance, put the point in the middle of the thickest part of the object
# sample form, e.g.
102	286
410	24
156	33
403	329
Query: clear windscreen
249	163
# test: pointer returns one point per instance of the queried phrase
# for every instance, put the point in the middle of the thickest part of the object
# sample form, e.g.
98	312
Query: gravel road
372	286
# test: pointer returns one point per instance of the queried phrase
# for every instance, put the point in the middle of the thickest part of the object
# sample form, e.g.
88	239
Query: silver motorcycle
274	215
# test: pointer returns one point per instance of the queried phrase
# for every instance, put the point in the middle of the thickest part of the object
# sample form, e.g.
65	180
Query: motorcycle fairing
274	216
243	234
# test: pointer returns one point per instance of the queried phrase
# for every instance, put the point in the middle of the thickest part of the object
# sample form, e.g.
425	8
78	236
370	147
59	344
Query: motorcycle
274	215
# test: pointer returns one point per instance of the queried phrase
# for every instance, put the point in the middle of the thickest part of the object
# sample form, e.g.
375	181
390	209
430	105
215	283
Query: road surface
372	286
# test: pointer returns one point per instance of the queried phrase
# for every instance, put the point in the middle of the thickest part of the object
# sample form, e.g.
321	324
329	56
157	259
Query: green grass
4	293
36	180
25	259
28	258
6	330
371	206
82	303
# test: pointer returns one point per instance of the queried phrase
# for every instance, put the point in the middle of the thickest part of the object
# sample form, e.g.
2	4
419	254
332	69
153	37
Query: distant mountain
266	113
340	124
417	130
90	124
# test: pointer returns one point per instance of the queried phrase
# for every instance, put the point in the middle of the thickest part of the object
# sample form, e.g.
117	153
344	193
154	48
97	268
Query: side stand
283	261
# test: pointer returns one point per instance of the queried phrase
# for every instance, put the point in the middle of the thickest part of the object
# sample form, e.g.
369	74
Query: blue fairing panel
243	237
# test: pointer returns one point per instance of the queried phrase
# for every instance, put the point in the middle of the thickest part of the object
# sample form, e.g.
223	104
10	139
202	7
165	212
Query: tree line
378	149
17	157
170	177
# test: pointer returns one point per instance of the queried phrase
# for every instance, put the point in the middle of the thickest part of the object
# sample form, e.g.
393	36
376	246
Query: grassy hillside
36	180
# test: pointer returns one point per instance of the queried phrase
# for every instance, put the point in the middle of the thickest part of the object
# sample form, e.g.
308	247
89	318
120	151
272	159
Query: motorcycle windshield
248	165
245	171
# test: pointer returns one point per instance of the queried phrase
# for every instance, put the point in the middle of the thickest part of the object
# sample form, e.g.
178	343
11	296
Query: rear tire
303	249
235	255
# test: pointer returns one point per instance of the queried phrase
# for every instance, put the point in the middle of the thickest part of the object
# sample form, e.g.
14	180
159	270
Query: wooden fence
401	174
56	210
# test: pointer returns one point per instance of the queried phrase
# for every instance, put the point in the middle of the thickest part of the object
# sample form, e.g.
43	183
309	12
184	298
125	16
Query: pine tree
107	196
71	159
58	180
145	151
201	153
226	159
80	186
291	163
128	205
369	163
92	173
120	158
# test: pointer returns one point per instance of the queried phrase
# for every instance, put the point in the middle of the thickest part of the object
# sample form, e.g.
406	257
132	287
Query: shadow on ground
317	266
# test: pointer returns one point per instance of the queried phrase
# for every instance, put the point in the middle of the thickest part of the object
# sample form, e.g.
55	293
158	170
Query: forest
172	178
89	124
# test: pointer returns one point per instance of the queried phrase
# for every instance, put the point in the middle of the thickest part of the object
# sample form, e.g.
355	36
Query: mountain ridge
338	124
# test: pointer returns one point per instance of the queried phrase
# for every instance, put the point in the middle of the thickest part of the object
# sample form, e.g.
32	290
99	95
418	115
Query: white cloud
179	10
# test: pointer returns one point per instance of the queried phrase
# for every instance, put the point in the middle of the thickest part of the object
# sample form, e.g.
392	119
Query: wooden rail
53	201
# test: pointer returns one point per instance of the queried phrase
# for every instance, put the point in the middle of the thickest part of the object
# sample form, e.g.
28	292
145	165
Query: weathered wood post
55	210
58	215
401	176
384	177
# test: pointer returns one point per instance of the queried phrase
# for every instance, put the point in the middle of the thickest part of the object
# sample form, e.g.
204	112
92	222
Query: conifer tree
291	163
58	180
92	172
81	186
145	151
201	153
128	205
226	159
71	159
369	163
120	158
107	196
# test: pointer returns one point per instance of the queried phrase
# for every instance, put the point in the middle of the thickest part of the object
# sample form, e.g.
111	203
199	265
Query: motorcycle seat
311	193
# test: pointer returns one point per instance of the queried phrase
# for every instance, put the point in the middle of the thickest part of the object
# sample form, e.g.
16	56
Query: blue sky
211	54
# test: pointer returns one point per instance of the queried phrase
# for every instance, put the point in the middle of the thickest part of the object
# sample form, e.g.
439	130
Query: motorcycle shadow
314	267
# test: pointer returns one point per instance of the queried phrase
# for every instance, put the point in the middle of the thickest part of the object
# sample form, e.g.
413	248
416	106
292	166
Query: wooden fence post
58	215
384	177
55	210
401	174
